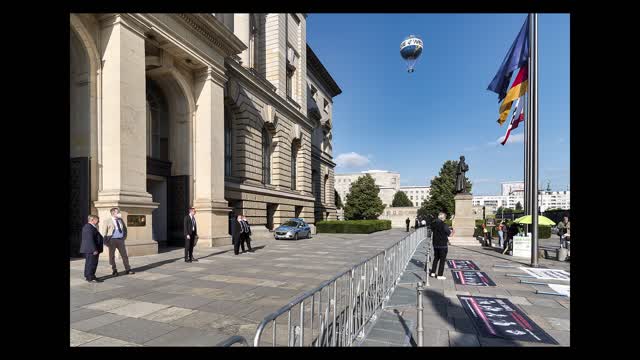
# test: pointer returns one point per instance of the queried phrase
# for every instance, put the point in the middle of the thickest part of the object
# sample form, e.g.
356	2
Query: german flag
518	89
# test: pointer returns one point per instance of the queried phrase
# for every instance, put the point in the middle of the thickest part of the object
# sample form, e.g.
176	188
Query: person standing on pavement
91	247
562	230
501	228
236	234
407	222
114	236
190	235
417	223
246	234
441	233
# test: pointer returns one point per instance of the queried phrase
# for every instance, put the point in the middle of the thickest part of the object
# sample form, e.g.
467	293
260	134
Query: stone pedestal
464	221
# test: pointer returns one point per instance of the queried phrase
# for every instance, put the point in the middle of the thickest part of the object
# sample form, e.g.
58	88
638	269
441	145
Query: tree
400	199
518	206
338	201
363	202
442	193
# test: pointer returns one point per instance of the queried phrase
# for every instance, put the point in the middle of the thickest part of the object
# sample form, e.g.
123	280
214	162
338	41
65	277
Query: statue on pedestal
460	177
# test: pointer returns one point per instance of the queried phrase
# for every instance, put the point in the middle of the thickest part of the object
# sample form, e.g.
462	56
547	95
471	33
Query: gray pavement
445	321
168	302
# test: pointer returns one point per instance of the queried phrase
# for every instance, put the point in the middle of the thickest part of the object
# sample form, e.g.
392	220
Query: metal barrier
342	306
233	340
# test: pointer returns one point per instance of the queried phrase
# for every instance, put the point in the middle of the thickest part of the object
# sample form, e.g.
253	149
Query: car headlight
290	233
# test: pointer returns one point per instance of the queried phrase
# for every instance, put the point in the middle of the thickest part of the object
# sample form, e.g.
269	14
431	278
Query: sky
411	123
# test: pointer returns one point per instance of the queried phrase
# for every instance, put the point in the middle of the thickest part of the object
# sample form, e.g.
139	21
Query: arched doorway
79	140
169	155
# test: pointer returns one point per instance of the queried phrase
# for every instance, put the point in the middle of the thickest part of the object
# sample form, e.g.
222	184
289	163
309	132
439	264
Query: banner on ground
462	264
474	278
547	274
497	317
560	289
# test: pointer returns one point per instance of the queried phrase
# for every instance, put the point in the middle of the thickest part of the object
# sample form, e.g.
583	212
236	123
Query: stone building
229	113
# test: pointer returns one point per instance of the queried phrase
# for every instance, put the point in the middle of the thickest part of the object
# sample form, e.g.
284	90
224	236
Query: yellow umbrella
542	220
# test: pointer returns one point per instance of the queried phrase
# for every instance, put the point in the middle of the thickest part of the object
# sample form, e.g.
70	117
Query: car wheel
295	237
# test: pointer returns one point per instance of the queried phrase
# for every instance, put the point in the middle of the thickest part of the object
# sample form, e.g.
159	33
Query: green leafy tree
400	199
442	194
338	200
363	202
518	206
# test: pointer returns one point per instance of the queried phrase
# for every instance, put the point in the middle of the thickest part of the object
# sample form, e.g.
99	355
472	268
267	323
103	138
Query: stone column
123	146
211	207
241	29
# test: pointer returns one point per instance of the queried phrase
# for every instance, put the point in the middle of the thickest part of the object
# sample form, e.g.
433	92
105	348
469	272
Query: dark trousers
439	258
245	239
188	247
90	266
407	227
236	244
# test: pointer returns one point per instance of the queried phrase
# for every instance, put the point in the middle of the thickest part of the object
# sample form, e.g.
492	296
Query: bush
353	226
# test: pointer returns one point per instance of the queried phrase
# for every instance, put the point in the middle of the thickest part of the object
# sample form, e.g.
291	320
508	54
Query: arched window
157	123
266	156
227	142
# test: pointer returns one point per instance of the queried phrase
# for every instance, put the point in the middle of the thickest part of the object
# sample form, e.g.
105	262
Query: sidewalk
168	302
445	321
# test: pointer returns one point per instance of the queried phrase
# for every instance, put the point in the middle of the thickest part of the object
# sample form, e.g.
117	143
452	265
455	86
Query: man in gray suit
91	247
114	237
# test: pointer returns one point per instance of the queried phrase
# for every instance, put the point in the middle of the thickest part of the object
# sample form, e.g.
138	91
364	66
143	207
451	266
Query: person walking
441	233
407	222
190	235
114	237
91	247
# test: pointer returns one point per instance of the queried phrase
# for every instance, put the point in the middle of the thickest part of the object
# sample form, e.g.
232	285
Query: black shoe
251	250
115	273
130	272
95	279
194	260
187	260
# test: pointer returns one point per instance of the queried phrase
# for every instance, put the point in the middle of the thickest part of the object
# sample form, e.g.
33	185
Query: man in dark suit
246	234
91	247
236	234
190	235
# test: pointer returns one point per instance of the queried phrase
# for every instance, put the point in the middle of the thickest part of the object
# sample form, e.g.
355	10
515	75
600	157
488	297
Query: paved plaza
168	302
445	320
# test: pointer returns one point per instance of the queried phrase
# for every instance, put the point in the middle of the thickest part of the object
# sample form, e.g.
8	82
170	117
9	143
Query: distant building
389	184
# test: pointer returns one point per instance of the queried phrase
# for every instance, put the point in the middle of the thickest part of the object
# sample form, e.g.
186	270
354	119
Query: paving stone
198	319
137	331
561	337
559	324
83	314
188	337
546	302
105	341
187	301
78	338
96	322
138	309
154	297
109	304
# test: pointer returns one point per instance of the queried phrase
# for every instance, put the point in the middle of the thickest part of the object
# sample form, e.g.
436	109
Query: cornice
211	29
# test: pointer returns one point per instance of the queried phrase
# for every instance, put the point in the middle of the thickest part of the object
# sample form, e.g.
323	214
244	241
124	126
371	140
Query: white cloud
352	160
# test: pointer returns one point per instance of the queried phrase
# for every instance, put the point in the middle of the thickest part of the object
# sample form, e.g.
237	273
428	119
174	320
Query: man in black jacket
91	247
246	234
190	235
407	222
236	234
441	233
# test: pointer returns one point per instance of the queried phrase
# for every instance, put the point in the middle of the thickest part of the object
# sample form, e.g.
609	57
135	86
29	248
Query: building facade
546	200
388	182
417	194
512	187
170	111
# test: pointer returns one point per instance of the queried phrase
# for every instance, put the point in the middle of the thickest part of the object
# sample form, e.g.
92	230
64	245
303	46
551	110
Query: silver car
292	229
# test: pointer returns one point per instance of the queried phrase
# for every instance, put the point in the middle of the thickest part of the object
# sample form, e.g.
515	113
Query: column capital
126	20
211	73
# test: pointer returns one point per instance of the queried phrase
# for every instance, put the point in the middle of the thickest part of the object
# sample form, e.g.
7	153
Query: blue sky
388	119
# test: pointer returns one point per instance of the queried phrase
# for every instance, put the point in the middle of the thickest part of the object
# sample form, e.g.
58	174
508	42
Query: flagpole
533	88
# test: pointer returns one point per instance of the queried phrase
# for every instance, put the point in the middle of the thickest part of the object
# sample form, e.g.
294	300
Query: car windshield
290	223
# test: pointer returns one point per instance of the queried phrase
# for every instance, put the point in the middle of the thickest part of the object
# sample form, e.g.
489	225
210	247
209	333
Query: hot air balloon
410	50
